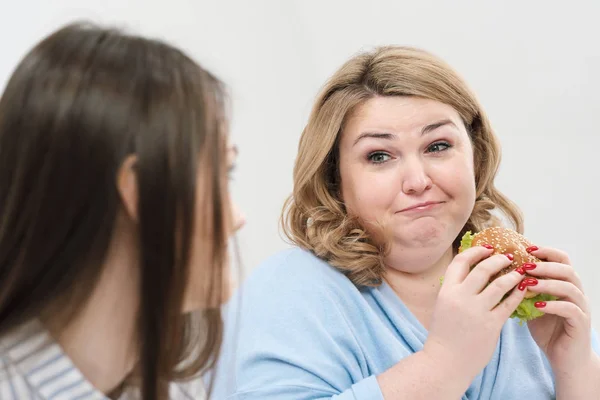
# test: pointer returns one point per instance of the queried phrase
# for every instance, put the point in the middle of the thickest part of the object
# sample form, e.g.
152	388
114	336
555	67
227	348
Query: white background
534	65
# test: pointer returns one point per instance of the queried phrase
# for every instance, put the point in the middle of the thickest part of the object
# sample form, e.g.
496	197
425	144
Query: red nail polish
520	270
488	246
510	256
522	286
531	281
540	304
532	248
529	266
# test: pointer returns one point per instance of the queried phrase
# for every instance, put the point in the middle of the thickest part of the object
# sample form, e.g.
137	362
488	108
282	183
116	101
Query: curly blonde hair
315	218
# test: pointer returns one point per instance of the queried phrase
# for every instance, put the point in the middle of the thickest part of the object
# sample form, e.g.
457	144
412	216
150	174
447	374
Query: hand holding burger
507	241
554	306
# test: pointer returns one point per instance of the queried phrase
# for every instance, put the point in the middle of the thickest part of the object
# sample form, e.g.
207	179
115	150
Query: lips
424	205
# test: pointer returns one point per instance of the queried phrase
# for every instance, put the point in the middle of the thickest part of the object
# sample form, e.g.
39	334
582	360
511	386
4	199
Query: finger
479	277
461	264
563	290
550	254
495	291
574	316
553	270
504	309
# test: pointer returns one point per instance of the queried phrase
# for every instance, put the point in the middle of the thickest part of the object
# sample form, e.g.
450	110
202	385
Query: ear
127	186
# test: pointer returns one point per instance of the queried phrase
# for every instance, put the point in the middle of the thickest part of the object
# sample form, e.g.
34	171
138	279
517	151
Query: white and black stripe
33	366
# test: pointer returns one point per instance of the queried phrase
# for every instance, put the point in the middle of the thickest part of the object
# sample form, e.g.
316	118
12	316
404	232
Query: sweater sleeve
367	389
293	335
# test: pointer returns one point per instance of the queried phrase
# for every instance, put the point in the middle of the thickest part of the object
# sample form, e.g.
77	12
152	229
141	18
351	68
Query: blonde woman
114	219
397	161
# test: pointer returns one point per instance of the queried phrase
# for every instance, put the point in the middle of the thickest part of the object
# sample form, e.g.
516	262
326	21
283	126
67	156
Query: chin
413	259
421	243
424	233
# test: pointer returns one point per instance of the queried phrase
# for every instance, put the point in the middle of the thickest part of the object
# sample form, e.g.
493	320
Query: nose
415	178
238	218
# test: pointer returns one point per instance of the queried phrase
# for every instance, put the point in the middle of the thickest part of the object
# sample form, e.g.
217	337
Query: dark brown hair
77	105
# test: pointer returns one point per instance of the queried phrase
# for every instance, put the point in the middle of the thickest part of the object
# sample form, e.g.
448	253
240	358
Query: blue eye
378	157
438	147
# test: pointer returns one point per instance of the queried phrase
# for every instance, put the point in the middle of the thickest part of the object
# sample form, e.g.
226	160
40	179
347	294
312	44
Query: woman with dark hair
114	218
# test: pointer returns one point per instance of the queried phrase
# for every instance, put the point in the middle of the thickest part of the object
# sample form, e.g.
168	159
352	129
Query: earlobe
127	186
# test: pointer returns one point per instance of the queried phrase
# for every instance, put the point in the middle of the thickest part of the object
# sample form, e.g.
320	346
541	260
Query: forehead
397	114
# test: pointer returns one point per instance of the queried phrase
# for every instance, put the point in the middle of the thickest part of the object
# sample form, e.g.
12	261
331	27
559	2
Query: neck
101	340
419	290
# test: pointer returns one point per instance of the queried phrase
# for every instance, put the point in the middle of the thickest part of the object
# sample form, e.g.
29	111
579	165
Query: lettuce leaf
466	242
526	310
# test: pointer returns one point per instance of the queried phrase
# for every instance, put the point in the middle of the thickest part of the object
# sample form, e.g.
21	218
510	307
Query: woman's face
202	242
406	164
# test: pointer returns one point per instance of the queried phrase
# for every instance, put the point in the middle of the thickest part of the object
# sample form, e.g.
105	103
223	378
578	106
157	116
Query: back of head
77	105
315	216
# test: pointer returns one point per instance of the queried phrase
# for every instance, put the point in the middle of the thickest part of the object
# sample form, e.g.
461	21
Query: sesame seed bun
505	241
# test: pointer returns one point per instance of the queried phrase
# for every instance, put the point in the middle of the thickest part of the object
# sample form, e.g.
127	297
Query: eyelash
445	145
441	143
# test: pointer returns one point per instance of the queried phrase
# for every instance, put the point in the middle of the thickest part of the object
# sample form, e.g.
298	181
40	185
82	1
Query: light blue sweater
304	331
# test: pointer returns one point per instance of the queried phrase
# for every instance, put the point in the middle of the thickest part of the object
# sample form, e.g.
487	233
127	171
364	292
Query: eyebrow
431	127
389	136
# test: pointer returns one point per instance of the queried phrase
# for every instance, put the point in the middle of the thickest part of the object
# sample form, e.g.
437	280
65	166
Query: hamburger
504	241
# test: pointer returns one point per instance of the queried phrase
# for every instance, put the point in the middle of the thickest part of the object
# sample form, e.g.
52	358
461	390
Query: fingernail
531	281
488	246
520	270
522	286
532	248
510	256
529	266
540	304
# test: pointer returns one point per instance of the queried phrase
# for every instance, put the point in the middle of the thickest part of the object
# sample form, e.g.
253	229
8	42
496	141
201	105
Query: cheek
196	288
458	180
202	271
368	195
203	274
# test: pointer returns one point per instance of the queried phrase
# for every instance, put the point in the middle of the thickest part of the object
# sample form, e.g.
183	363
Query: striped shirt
33	366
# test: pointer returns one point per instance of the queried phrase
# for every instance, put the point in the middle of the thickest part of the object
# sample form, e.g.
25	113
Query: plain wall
533	64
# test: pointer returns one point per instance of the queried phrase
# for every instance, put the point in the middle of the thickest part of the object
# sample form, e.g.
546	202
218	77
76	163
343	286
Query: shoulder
294	268
12	382
33	363
296	280
15	353
294	293
291	323
292	288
